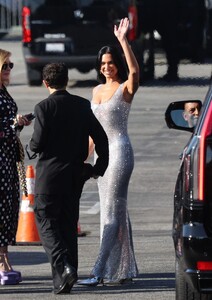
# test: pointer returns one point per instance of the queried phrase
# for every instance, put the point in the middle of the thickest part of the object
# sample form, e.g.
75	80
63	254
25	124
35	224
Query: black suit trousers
57	217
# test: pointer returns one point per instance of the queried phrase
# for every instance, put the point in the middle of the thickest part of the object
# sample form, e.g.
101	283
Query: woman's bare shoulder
96	88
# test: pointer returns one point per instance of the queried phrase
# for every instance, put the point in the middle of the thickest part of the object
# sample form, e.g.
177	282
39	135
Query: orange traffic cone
27	232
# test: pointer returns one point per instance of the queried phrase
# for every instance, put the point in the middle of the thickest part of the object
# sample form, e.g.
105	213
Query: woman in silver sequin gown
111	104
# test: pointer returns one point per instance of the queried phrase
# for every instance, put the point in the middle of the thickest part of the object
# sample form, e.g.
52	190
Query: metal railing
10	14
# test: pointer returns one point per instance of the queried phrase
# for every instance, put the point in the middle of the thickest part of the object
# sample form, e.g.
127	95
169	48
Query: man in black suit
62	128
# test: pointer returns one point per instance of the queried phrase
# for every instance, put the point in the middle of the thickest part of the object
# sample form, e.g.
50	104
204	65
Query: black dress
9	181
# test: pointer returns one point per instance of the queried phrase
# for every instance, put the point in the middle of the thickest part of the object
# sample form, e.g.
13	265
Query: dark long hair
117	59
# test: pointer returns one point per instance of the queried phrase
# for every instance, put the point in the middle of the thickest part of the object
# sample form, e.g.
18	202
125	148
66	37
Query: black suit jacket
62	128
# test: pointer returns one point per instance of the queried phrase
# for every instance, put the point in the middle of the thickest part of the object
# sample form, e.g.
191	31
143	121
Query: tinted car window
75	3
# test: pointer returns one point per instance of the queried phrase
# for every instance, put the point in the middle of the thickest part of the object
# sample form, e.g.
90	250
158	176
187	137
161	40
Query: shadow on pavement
152	282
188	81
144	283
27	258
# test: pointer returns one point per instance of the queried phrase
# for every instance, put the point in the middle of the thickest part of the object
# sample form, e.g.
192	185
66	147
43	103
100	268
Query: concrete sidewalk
32	262
14	34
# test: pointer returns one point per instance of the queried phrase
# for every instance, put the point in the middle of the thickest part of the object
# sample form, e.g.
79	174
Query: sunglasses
5	66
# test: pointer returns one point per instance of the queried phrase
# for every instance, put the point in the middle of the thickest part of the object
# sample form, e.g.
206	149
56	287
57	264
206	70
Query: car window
75	3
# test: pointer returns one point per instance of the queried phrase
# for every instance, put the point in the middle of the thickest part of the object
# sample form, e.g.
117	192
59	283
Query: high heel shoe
93	281
7	274
10	278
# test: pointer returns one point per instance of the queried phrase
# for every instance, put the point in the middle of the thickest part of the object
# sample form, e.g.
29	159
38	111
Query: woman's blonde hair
4	55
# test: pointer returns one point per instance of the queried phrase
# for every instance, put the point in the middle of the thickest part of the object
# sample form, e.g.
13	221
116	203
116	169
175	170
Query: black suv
69	30
192	220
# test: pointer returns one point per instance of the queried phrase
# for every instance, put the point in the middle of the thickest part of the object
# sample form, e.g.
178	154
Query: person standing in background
162	16
10	125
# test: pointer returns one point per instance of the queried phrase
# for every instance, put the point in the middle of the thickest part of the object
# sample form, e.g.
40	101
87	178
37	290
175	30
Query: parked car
72	31
192	218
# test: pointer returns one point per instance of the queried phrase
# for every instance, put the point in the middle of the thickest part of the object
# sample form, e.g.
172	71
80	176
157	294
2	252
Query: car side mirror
183	115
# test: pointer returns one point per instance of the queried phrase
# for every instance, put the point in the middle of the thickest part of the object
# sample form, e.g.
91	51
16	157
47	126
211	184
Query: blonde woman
10	121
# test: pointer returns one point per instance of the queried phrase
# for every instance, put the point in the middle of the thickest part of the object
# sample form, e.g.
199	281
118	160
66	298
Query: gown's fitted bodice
113	115
116	259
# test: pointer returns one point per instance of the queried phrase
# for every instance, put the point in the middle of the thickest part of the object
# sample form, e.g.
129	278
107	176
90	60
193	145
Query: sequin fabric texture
9	187
116	259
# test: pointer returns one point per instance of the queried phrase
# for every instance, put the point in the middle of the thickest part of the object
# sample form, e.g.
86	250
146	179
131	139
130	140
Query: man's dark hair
56	75
117	59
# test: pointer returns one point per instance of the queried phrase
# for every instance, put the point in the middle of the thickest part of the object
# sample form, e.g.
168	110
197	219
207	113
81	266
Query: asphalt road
156	150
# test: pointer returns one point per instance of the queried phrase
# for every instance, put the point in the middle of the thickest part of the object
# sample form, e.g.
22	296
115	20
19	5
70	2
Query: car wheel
180	284
34	76
194	295
183	291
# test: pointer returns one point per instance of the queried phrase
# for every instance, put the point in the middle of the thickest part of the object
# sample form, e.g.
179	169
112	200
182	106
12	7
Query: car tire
34	76
180	284
183	291
194	295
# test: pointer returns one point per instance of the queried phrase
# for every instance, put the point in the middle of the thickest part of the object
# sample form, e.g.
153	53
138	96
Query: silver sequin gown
116	259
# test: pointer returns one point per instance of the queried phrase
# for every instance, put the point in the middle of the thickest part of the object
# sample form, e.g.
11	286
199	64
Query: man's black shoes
69	277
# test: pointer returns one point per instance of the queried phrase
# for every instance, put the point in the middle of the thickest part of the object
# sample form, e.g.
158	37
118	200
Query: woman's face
6	69
108	68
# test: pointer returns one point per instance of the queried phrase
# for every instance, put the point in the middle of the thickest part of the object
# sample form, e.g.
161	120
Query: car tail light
27	37
133	17
204	265
200	157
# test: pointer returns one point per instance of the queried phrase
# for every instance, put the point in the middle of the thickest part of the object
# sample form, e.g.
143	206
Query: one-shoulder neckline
107	101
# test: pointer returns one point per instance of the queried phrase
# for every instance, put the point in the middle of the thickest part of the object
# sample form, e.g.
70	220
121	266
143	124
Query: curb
13	34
